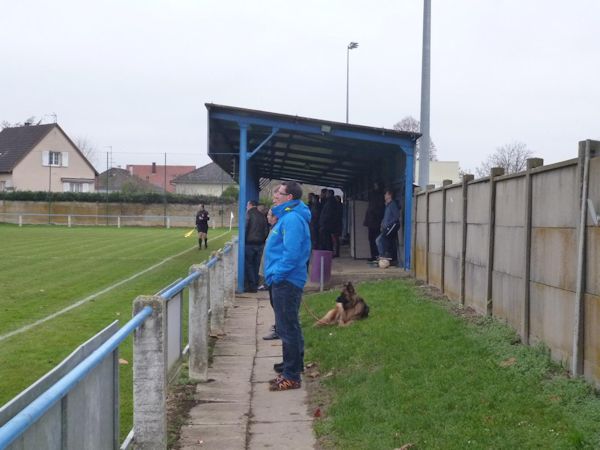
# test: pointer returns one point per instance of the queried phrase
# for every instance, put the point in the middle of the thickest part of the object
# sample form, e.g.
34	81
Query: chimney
153	167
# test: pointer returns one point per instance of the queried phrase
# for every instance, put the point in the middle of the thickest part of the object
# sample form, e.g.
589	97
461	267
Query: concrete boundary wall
522	248
112	214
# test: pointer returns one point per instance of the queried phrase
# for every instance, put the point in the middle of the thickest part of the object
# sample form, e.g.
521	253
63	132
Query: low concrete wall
130	214
509	246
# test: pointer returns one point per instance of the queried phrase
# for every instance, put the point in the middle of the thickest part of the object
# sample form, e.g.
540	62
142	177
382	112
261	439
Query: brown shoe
285	385
276	380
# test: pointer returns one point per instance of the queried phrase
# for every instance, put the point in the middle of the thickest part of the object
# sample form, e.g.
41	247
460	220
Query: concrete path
236	409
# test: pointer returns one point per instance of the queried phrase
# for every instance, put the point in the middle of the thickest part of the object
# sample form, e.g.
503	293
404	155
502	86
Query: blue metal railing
16	426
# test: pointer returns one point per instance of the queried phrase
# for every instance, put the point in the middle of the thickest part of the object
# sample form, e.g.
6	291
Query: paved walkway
236	409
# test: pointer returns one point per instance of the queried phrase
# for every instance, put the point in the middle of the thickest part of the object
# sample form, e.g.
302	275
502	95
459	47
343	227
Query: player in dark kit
202	219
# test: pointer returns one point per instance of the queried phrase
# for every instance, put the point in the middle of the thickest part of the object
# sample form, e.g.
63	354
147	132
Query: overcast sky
134	75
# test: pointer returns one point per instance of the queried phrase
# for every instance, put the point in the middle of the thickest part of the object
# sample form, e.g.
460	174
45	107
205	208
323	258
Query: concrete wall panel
453	239
477	244
435	270
452	278
554	257
478	206
435	206
509	250
476	287
555	198
435	238
511	202
420	262
421	208
508	298
591	350
552	320
454	204
593	261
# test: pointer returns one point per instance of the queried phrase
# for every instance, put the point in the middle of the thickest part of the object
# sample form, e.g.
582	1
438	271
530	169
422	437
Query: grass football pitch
44	269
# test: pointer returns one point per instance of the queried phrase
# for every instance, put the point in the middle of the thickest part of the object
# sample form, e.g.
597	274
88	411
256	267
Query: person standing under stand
257	230
286	255
202	219
373	218
314	206
337	226
273	331
389	227
327	221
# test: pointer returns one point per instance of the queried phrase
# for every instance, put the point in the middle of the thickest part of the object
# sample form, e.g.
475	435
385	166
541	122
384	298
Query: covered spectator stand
254	145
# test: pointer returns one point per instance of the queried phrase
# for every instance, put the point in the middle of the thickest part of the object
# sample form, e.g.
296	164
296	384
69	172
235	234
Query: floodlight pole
425	97
351	46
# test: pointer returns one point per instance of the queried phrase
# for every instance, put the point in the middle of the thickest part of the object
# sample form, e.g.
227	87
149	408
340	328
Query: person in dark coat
257	230
373	218
327	221
315	207
338	224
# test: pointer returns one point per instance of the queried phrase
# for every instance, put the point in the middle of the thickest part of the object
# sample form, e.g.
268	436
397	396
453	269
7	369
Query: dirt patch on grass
319	399
180	400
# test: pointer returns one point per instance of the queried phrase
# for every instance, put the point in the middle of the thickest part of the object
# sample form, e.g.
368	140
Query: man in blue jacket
286	256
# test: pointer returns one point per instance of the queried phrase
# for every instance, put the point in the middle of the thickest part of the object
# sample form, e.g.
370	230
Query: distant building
439	171
119	180
206	180
155	174
43	158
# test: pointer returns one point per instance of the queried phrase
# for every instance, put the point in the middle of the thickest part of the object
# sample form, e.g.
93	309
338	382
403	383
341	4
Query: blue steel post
242	204
408	197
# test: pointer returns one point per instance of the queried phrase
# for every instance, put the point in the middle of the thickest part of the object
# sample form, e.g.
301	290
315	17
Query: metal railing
64	410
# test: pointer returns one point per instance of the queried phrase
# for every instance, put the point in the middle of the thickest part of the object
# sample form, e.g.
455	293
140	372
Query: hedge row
114	197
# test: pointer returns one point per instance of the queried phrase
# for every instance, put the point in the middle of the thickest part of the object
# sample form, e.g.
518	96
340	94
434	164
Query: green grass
46	268
415	373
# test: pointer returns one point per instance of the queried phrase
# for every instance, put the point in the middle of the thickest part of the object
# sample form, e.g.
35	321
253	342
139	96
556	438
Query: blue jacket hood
296	205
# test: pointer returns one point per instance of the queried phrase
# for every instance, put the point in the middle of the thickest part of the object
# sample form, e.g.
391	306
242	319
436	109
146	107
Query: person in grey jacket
389	227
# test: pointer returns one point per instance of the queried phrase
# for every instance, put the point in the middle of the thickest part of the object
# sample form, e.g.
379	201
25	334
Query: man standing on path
257	230
286	255
202	219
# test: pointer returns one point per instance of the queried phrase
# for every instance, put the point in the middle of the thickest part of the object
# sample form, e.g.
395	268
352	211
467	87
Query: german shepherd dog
349	307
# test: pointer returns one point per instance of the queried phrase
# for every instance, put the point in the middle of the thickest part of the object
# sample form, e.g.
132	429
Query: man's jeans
286	304
253	255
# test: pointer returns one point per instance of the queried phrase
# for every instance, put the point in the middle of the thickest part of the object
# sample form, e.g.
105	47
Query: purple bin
315	267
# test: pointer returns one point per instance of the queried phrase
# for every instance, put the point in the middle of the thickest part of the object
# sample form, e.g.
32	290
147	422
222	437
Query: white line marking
93	296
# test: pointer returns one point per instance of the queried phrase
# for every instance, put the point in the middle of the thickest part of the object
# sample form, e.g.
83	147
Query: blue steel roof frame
376	141
254	126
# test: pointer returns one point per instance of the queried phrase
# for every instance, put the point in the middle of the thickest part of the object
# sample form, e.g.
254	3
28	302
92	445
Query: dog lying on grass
349	307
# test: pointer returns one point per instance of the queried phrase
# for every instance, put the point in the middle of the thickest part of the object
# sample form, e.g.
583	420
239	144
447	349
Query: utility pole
425	97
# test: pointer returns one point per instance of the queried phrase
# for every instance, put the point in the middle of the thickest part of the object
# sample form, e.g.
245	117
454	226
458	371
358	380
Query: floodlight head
352	45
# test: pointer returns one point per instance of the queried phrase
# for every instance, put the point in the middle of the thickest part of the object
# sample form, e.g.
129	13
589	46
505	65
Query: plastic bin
315	267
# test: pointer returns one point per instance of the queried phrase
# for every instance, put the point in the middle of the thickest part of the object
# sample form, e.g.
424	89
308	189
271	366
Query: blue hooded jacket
288	245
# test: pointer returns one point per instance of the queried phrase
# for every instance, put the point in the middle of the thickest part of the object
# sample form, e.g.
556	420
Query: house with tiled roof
206	180
43	158
116	179
159	175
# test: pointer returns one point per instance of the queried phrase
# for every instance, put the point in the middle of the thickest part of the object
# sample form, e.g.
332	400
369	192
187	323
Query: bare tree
87	148
409	123
512	157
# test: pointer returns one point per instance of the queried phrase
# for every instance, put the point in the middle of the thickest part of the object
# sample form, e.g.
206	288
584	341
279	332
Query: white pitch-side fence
76	405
